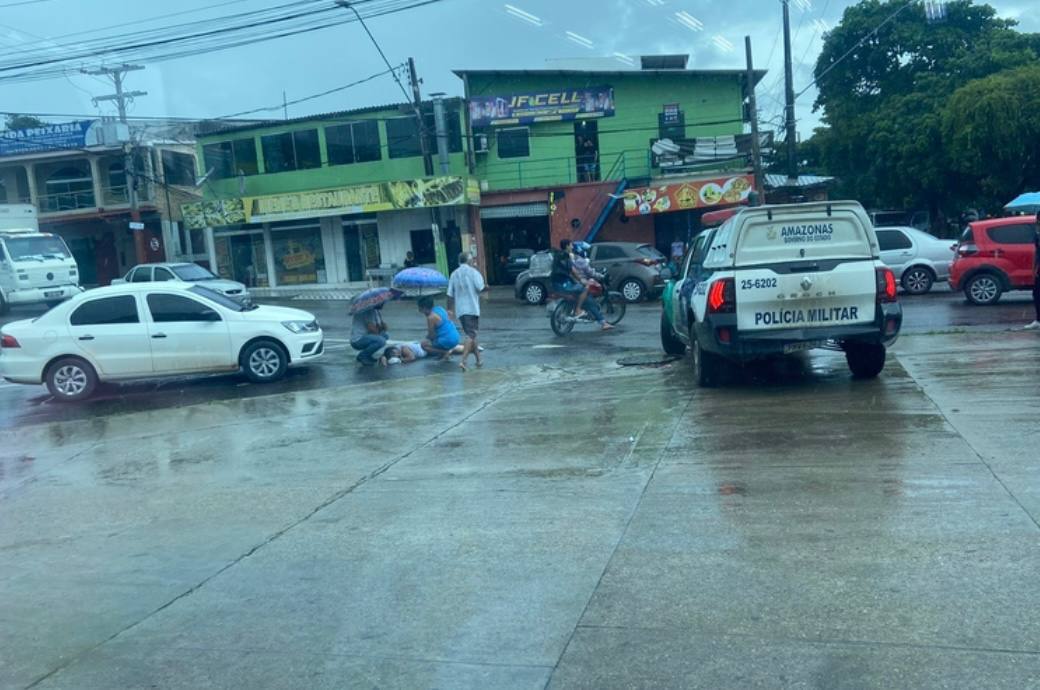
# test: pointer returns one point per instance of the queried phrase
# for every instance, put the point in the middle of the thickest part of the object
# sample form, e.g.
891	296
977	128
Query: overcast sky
448	35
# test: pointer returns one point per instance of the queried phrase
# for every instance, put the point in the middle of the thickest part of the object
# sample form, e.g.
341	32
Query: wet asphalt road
514	334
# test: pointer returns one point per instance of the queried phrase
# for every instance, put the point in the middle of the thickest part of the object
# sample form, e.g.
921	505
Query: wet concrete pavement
554	520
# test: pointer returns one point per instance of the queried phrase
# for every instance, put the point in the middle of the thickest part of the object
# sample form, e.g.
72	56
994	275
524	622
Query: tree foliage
889	135
22	122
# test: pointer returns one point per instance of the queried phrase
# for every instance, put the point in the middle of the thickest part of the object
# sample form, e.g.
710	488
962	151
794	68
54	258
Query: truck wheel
670	343
4	306
706	365
983	289
70	379
866	360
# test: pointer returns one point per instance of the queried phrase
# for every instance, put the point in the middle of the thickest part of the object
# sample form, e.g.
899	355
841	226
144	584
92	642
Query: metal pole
756	148
792	135
440	124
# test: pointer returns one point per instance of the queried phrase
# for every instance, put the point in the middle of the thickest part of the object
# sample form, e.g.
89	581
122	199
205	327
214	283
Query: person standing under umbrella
368	334
465	286
1036	275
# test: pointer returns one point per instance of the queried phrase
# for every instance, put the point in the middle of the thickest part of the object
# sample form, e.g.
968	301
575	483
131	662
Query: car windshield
651	252
36	247
192	273
221	299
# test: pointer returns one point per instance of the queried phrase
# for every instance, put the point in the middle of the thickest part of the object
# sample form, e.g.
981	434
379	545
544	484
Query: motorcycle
560	309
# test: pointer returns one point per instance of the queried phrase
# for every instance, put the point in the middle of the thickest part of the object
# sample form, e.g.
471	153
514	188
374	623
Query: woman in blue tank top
442	336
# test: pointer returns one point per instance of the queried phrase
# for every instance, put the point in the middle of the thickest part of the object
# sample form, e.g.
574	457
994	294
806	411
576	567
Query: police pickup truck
773	280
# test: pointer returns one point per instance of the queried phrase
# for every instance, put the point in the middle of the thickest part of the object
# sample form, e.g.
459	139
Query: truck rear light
8	341
887	290
725	336
722	296
967	249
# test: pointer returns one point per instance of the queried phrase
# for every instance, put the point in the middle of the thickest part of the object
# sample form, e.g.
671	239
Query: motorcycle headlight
301	326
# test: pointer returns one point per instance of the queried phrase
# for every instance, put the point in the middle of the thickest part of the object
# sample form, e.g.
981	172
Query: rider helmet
581	248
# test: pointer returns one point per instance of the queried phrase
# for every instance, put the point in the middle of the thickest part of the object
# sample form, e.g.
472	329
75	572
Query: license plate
802	347
52	294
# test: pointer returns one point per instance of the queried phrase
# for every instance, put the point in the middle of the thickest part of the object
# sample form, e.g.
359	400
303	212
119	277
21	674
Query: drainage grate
648	360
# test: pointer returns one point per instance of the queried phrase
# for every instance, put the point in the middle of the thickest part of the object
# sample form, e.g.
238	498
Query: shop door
453	245
82	249
586	150
352	248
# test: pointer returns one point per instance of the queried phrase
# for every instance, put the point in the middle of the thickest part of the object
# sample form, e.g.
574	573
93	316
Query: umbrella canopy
420	279
370	299
1027	203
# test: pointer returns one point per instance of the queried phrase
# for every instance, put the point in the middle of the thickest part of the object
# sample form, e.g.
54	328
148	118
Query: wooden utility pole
417	100
756	147
792	133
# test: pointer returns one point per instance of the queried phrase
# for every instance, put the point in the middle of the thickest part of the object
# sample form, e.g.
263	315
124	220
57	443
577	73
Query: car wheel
866	360
264	361
534	293
670	343
918	280
71	379
983	289
632	290
705	364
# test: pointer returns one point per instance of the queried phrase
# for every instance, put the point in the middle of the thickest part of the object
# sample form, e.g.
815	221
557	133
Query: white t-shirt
465	286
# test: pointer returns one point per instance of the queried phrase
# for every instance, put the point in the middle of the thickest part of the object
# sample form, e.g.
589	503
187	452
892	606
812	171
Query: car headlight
301	326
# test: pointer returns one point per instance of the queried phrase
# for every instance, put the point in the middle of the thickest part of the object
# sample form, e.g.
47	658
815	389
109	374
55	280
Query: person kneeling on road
368	334
441	335
566	280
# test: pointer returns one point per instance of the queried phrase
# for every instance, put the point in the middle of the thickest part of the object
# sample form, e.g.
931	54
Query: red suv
994	256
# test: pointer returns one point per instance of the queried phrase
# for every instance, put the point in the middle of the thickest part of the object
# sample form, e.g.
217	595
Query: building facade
74	174
335	199
590	154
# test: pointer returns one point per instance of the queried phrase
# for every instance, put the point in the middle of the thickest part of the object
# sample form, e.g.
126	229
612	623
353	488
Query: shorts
569	288
446	343
470	325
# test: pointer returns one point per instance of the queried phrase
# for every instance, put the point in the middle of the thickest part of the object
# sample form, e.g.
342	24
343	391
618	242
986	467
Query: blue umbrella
370	299
420	279
1025	203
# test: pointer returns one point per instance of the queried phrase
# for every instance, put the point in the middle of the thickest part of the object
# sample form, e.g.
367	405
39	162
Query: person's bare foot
382	361
580	314
462	365
480	362
607	327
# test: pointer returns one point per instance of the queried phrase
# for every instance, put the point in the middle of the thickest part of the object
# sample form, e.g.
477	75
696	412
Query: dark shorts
470	324
568	287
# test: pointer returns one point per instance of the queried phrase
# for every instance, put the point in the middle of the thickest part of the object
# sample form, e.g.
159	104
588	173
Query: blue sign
544	106
60	137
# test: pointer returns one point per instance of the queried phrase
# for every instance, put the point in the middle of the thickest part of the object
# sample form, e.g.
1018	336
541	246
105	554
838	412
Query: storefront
335	236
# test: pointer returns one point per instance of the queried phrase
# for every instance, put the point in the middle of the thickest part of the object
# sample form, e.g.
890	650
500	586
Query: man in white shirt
465	286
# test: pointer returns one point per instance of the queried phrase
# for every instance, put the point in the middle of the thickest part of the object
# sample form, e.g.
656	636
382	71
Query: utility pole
121	97
417	101
792	135
756	147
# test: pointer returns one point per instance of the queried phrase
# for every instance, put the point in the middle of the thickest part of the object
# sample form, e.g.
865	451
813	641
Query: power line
23	2
311	97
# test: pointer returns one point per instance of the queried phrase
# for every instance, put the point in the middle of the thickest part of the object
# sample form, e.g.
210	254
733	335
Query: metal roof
759	73
777	181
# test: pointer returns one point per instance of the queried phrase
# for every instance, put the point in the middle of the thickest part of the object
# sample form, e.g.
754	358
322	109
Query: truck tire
670	343
706	366
866	360
4	306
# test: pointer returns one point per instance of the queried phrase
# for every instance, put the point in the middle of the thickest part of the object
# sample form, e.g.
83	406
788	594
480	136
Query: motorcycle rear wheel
563	318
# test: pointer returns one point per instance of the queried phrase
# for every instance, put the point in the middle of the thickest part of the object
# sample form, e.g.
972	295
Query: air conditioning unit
480	143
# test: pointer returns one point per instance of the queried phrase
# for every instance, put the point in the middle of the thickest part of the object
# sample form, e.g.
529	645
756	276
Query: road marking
546	347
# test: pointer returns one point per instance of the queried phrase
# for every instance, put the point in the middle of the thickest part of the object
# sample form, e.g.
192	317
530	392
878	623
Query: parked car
148	330
993	257
519	260
918	259
186	273
636	271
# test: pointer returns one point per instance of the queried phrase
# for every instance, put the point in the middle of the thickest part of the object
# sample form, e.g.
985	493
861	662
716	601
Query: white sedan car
150	330
918	259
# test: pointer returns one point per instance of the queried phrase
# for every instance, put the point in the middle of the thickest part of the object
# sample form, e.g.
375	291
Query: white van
775	280
35	267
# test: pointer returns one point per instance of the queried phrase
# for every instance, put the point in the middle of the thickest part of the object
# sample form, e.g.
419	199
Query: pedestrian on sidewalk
465	286
368	334
441	335
1036	275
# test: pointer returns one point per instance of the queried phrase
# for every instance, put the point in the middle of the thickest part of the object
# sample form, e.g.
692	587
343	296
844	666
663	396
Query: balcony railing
546	172
66	201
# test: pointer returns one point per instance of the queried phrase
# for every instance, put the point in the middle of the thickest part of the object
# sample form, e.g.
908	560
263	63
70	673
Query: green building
335	198
556	150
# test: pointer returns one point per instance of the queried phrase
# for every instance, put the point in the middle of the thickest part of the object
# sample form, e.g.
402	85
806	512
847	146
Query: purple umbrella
420	279
370	299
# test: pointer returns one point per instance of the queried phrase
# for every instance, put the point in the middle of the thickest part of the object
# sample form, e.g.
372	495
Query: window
671	124
606	252
402	137
651	253
162	274
221	299
193	272
291	151
3	255
178	168
177	309
141	275
1013	234
514	143
967	236
46	247
893	239
422	247
106	311
357	142
228	158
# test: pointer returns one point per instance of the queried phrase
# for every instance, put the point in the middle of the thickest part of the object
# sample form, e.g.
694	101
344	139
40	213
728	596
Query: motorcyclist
567	280
581	261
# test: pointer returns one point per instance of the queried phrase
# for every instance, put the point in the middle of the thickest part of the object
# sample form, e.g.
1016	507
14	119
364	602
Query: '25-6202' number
758	284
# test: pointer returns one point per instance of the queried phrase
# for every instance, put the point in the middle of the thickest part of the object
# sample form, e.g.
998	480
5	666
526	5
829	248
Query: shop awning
532	210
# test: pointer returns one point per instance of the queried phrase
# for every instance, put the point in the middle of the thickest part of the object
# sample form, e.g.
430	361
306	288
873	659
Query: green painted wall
327	176
712	104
